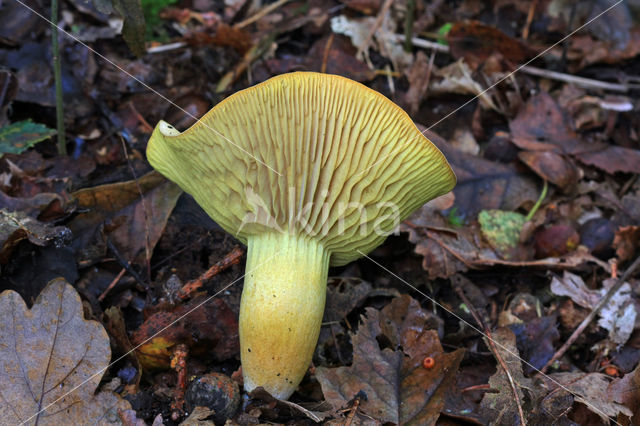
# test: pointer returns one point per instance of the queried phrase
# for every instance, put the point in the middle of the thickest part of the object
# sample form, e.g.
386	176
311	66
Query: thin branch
578	331
531	70
259	14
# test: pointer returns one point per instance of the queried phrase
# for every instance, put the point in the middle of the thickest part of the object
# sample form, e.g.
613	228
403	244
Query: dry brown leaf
626	241
45	353
211	329
484	184
591	389
552	166
397	386
617	316
541	125
501	406
16	226
457	78
613	159
476	41
120	206
626	391
344	294
418	76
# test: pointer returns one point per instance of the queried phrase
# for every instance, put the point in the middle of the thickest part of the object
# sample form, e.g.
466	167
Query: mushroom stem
281	310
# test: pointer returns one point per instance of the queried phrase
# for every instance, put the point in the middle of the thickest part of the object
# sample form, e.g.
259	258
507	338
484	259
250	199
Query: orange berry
428	362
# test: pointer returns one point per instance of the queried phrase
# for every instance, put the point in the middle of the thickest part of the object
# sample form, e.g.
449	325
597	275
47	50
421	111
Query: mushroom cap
308	153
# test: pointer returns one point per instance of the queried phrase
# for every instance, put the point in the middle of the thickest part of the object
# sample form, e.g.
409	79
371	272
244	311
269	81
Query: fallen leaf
617	316
535	339
476	41
337	56
591	389
586	50
626	241
114	322
343	296
51	361
383	39
625	391
613	159
317	411
501	229
22	135
16	226
418	75
130	219
397	386
501	406
200	416
211	329
484	184
552	166
457	78
368	7
541	125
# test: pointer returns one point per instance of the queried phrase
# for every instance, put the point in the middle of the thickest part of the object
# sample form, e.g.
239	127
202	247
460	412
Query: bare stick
578	331
258	15
531	70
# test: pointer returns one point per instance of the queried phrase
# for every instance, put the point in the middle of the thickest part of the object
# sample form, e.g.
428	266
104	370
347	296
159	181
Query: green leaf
443	31
501	228
22	135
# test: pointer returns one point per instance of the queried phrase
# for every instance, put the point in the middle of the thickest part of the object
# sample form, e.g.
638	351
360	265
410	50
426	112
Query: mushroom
309	170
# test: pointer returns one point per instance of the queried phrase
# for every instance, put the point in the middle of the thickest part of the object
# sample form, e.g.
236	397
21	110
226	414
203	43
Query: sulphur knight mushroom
309	171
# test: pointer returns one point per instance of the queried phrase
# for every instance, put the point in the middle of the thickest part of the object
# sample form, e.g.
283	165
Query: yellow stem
281	310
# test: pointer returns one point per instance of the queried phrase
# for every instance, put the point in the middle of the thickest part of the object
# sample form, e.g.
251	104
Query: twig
233	258
125	264
381	14
57	75
179	363
259	14
112	284
408	25
578	81
494	349
354	408
252	54
527	25
578	331
325	55
531	70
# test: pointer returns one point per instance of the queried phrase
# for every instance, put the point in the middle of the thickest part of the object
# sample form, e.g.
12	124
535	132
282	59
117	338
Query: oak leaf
51	361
